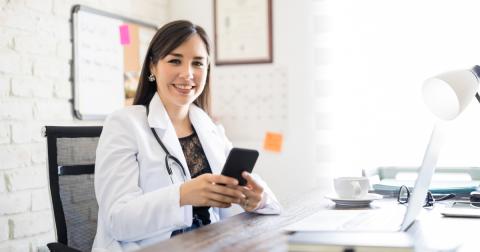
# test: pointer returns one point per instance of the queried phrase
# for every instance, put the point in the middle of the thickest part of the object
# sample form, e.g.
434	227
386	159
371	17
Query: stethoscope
168	156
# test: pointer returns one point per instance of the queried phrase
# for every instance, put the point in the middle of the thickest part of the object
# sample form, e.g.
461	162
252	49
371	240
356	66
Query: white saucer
365	201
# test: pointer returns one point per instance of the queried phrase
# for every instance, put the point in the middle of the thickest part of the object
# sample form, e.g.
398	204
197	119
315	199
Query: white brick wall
44	6
13	64
3	188
52	110
42	44
4	133
26	178
15	246
39	152
14	156
40	200
21	132
30	224
20	202
4	85
62	89
22	87
3	229
35	51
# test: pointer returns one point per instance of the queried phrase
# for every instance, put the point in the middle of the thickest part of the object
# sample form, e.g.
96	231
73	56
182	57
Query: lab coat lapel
159	120
212	144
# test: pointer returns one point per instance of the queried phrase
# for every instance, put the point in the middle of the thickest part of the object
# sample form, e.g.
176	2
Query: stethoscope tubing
167	154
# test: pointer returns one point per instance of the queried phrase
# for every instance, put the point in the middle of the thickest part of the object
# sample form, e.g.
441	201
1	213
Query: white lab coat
138	204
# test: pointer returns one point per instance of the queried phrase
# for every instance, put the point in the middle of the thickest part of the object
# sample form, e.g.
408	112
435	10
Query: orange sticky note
273	142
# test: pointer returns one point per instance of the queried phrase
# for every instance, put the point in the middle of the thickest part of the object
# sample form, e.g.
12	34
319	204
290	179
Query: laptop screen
425	174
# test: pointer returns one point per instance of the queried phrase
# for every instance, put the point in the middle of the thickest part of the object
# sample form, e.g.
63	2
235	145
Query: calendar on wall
250	103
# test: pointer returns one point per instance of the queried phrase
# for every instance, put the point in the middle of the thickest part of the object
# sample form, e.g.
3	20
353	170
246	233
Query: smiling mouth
184	89
183	86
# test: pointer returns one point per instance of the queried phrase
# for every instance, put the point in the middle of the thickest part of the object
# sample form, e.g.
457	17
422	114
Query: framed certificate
243	31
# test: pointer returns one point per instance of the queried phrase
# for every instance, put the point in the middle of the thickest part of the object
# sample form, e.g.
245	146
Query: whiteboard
108	51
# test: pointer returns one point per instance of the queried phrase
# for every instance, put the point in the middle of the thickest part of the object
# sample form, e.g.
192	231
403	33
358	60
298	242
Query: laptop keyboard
381	219
374	221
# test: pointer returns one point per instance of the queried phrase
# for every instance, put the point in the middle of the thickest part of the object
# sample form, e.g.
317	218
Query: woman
146	195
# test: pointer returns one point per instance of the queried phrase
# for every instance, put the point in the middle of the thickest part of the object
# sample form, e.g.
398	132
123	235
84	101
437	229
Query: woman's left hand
253	192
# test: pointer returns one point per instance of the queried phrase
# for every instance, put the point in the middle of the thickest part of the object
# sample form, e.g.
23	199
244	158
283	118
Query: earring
151	78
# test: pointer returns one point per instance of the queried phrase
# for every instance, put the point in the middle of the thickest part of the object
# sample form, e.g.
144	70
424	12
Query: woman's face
181	75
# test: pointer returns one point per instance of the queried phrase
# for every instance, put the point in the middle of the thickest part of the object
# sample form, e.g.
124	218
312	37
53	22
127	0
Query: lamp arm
476	72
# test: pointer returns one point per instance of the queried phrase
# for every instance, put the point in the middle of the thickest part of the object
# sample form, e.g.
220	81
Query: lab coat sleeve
269	204
129	213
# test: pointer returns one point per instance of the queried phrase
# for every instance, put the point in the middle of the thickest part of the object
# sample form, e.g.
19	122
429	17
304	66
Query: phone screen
240	160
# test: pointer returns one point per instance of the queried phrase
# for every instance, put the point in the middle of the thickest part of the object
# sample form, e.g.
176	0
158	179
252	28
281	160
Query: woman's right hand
210	190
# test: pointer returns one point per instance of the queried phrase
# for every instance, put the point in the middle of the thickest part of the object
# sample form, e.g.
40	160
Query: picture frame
243	31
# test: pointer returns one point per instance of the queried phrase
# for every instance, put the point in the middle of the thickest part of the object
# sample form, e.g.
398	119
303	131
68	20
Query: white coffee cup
351	187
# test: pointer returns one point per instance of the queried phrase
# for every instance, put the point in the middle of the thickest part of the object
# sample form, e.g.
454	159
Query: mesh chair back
71	161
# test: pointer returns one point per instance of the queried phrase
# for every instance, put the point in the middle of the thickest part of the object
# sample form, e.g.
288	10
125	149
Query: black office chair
71	162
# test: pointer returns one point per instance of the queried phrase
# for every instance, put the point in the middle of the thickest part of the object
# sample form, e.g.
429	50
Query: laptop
394	218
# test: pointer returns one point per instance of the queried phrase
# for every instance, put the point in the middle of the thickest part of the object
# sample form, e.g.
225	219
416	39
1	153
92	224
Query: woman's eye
198	63
174	61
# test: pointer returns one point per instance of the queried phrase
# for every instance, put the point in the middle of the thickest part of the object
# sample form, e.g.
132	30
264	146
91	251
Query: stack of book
390	187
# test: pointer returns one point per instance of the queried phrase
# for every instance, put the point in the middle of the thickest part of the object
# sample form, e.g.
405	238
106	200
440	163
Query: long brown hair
167	38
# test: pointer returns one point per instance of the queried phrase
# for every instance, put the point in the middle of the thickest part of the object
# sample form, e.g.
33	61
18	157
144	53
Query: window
380	52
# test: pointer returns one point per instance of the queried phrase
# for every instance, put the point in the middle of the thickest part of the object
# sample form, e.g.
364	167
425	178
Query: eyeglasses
404	196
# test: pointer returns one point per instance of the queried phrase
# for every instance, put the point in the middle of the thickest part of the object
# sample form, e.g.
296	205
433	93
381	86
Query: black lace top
197	165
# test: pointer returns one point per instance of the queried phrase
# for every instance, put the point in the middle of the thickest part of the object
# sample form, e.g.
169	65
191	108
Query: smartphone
239	160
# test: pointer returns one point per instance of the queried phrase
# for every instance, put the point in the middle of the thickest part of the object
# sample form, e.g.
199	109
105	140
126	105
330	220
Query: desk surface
252	232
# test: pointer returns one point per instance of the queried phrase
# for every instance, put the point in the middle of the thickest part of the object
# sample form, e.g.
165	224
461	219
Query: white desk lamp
448	94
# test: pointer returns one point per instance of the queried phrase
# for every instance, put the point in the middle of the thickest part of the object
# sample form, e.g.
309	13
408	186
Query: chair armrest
60	247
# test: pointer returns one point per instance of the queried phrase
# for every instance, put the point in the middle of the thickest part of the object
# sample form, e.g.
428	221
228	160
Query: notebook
389	219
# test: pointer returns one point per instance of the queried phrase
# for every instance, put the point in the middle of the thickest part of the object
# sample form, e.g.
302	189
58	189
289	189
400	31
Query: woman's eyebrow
179	55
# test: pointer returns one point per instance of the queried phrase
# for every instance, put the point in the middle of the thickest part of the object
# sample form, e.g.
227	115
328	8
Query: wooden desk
252	232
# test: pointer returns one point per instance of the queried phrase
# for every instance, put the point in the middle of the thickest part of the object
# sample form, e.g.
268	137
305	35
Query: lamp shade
448	94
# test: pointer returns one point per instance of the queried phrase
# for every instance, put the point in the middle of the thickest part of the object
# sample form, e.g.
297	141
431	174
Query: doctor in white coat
147	192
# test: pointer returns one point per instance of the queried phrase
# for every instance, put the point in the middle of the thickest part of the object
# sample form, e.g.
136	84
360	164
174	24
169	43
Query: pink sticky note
124	35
